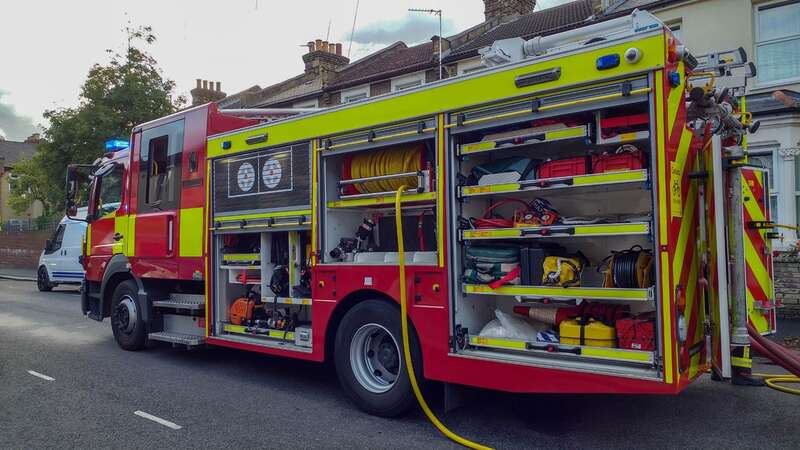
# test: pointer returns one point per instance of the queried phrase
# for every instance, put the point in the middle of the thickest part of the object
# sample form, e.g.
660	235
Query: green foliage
115	97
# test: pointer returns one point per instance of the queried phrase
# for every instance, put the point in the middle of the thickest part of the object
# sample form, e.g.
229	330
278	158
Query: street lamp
437	12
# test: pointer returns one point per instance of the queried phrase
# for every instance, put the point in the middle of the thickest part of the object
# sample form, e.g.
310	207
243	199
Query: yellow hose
404	325
772	380
385	162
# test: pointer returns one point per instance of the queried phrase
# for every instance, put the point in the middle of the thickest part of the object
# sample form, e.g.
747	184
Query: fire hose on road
779	355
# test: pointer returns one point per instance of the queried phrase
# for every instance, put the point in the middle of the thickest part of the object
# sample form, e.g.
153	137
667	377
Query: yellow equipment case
587	332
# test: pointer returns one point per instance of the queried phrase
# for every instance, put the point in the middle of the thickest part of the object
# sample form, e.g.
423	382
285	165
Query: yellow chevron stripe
756	266
440	150
683	235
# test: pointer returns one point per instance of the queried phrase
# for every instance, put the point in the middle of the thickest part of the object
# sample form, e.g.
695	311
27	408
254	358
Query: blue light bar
607	61
113	145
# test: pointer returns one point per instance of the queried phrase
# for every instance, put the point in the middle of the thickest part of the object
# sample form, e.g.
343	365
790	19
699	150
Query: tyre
43	280
126	317
369	359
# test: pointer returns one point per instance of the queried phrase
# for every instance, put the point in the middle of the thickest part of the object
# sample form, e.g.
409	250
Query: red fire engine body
272	237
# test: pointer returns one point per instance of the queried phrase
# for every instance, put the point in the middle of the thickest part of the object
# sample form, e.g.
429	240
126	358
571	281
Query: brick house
10	153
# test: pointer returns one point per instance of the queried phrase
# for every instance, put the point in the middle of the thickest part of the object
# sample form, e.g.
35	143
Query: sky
48	46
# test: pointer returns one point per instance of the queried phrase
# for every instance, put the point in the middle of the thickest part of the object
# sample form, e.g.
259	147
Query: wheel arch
346	304
118	271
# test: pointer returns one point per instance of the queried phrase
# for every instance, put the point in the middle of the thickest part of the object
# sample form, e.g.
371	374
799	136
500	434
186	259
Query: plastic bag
493	329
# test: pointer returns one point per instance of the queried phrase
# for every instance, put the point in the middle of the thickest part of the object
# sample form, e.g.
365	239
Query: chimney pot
219	86
205	84
198	80
339	49
310	46
318	44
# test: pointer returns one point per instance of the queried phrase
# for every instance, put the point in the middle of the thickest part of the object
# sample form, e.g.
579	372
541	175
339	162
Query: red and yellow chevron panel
758	252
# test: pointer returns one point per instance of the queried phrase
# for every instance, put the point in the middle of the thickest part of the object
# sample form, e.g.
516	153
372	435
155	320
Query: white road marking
155	419
41	375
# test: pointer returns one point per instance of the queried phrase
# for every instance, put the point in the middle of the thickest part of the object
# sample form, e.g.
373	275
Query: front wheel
43	280
126	317
369	359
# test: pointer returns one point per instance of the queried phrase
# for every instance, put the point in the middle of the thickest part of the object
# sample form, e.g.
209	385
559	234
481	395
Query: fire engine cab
560	225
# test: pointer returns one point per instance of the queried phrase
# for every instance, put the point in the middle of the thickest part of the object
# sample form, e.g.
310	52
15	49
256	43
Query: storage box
568	167
592	334
636	334
617	162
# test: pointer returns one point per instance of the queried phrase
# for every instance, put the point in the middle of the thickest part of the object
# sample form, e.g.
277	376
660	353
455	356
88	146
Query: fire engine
579	217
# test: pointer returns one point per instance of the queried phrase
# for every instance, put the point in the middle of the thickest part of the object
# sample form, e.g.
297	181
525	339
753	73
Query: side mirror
72	209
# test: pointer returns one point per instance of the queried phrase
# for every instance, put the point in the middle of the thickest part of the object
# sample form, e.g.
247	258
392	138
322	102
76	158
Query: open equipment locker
585	194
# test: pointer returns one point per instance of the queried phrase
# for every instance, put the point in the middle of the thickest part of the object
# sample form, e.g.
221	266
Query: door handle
117	237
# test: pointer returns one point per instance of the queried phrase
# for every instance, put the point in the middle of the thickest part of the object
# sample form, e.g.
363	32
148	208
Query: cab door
104	207
158	198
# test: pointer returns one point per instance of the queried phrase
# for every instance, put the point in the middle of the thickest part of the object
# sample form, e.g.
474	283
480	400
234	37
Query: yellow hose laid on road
387	161
404	326
773	379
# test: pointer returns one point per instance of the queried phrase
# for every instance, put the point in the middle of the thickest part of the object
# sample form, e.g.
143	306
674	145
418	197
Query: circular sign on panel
271	173
246	177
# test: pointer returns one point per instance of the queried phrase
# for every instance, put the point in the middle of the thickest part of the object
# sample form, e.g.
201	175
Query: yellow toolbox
587	332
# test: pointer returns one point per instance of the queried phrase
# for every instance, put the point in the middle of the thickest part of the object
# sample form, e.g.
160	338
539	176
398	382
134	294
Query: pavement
64	383
18	273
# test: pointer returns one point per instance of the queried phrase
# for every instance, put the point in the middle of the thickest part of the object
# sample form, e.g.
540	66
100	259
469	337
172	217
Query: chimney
206	91
502	11
323	56
444	42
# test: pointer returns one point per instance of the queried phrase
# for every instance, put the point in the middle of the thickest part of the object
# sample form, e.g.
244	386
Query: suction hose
404	326
779	355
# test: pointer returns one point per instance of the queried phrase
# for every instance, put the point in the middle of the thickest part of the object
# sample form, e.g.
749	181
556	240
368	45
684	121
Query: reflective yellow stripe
663	216
497	342
266	215
314	206
277	334
381	200
741	362
560	292
579	230
617	354
683	235
507	187
610	177
591	352
88	245
553	135
190	243
121	227
240	256
440	171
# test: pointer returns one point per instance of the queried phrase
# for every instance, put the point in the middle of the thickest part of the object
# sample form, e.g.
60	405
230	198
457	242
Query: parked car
59	262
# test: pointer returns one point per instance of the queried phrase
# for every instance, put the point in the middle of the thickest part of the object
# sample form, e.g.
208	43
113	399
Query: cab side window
160	167
56	239
110	192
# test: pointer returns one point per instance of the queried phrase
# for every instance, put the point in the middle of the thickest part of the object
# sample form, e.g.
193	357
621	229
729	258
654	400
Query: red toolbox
620	161
636	334
612	126
568	167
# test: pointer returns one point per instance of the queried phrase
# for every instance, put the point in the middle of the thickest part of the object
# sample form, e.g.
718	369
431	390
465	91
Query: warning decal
675	190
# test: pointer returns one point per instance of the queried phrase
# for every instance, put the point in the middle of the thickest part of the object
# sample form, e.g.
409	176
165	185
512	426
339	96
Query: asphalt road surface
64	383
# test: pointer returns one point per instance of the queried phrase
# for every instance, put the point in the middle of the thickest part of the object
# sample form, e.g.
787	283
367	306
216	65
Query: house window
408	82
778	42
355	94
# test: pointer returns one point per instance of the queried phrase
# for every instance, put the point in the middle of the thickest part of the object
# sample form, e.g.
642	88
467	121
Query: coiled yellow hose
399	159
404	326
773	379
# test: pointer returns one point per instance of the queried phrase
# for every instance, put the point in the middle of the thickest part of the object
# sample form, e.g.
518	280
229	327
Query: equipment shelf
234	267
381	201
578	351
273	334
589	230
524	140
563	293
624	138
565	183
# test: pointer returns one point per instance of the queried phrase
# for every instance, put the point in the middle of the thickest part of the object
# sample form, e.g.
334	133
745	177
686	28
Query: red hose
775	352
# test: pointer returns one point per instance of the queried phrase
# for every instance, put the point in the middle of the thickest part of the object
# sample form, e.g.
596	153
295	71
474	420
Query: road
228	398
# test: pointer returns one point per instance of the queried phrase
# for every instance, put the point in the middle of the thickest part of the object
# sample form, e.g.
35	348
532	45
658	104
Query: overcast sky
47	46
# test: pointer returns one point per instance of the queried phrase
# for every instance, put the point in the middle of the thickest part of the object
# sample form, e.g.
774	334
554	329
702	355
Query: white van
59	263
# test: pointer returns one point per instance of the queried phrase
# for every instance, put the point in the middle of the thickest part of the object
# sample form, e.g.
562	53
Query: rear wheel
126	317
43	280
369	359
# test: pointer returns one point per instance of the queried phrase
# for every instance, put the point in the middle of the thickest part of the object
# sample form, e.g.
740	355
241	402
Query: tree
115	97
